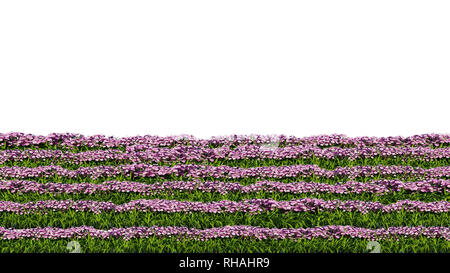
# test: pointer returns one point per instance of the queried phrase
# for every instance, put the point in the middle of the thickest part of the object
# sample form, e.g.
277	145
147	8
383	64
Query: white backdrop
123	68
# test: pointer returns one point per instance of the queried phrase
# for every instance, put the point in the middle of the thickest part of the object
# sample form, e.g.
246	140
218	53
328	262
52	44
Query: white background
210	68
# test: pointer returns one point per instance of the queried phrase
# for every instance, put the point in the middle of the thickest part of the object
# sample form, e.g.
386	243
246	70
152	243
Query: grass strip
329	164
230	245
123	197
242	180
270	219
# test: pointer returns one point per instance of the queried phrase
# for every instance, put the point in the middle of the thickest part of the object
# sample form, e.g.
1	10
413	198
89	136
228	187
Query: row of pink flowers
202	171
204	154
252	206
259	233
101	141
348	187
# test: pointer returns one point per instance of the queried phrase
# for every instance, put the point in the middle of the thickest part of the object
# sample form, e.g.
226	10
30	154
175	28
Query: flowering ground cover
224	194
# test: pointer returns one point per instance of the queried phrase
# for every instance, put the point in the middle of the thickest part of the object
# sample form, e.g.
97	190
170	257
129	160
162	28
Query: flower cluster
101	141
259	233
376	186
204	154
270	167
202	171
252	206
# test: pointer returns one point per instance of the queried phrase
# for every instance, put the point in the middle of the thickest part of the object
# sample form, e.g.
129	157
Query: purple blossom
202	171
259	233
145	151
376	186
101	141
137	154
252	206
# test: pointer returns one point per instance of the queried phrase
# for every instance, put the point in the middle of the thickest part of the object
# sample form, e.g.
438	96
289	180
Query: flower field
328	193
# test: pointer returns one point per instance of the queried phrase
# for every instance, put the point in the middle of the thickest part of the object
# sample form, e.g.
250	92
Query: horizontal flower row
252	206
260	233
202	171
376	186
101	141
202	154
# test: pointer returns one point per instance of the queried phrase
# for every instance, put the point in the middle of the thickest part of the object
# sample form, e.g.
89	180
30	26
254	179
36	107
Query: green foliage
269	219
203	220
235	245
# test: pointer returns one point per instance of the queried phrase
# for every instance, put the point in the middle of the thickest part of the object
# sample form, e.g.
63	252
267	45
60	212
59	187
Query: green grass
271	219
203	220
329	164
242	181
232	245
120	198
